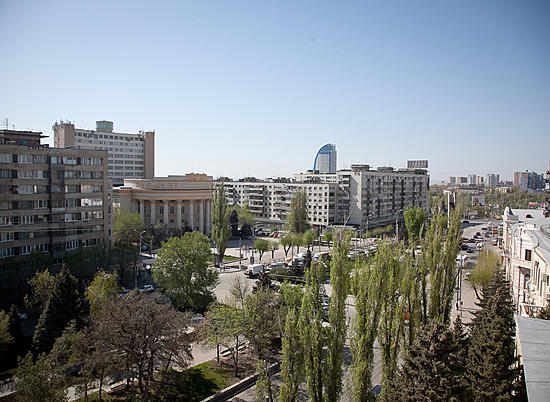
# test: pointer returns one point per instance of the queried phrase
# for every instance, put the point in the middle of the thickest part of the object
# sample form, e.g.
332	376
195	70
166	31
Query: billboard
478	200
417	164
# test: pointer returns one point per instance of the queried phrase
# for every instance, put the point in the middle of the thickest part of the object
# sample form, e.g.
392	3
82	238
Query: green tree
41	285
487	263
63	306
297	219
337	329
182	270
221	230
298	240
273	246
367	287
39	383
286	242
313	334
415	219
262	319
431	370
492	363
125	257
126	226
103	287
5	337
262	246
308	239
329	237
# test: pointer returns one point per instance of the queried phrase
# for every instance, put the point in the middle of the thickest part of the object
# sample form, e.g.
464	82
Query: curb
239	387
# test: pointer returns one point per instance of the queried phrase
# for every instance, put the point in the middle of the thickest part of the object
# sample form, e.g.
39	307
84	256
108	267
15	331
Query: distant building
529	180
131	156
472	179
357	197
461	180
479	180
492	180
452	180
52	201
325	160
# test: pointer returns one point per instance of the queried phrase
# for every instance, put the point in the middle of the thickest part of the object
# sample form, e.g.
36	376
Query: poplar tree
221	229
313	334
297	217
337	329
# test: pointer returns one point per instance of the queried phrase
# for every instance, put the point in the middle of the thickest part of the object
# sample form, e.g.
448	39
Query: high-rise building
472	179
52	201
131	156
492	180
529	180
452	180
325	160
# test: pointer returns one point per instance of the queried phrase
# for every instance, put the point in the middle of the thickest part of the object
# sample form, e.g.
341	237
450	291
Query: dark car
464	247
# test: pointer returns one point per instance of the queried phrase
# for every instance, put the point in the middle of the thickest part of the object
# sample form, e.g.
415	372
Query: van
253	270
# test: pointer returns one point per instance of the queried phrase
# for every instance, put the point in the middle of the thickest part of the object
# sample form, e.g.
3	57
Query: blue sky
255	88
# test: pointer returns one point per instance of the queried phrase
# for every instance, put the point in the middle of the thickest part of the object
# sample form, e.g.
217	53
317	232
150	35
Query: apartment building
130	156
526	257
357	197
52	200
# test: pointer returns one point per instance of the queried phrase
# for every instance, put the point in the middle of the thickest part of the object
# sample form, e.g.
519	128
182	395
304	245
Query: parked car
146	289
275	265
23	316
124	292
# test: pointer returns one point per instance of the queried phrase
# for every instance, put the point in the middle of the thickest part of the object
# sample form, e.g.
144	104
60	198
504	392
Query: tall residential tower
325	160
131	156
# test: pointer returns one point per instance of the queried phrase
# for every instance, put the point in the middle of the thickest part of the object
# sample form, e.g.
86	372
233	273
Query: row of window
110	137
111	143
54	189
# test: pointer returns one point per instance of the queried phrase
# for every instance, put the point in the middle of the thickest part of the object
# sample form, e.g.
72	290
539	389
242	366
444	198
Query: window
6	221
24	158
172	211
528	255
6	236
26	249
69	160
71	245
25	220
26	190
42	204
6	158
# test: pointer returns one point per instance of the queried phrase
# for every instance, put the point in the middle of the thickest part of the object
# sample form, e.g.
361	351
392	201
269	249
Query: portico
179	202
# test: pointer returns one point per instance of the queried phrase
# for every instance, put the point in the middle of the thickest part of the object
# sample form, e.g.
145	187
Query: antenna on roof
5	122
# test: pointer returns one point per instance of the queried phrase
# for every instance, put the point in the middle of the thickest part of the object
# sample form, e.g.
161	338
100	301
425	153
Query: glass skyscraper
325	160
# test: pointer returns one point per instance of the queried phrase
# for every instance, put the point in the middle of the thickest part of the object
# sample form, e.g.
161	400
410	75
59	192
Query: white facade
131	156
357	197
526	238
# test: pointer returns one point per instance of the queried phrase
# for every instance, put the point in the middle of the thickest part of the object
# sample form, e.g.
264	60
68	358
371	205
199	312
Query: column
208	217
191	215
142	211
166	205
201	216
178	214
153	213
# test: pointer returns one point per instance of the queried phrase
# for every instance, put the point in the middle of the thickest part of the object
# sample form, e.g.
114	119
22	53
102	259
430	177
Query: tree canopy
297	219
182	270
221	229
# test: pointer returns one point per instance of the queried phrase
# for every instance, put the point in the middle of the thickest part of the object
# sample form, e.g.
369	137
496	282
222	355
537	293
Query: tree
226	322
431	370
126	226
63	306
234	222
415	219
262	246
104	287
286	242
125	255
297	217
5	336
329	237
337	329
38	381
246	219
41	284
308	239
182	270
16	333
487	263
313	334
492	363
142	332
297	240
221	230
273	246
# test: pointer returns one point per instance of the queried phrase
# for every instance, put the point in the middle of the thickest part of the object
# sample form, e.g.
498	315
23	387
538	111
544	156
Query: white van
253	270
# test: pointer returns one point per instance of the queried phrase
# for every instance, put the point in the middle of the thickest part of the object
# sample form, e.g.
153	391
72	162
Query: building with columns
179	202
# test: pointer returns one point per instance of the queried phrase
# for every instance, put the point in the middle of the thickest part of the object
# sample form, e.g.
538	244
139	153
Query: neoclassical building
177	201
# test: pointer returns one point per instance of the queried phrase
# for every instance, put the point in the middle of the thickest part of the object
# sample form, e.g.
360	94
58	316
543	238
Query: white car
147	289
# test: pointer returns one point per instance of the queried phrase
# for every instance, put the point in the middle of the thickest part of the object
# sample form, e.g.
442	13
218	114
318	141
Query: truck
253	270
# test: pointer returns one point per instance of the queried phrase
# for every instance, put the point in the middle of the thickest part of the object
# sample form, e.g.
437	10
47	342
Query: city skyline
255	89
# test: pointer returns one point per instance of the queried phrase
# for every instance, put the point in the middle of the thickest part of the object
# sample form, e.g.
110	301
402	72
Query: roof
534	343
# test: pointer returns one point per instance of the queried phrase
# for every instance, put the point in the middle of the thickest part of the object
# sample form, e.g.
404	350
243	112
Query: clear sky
255	88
